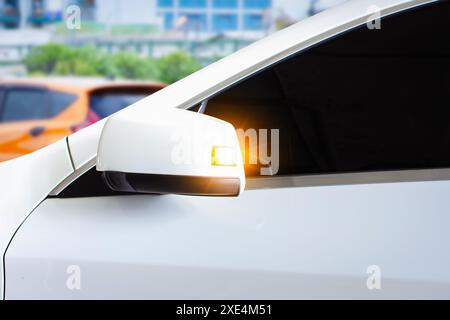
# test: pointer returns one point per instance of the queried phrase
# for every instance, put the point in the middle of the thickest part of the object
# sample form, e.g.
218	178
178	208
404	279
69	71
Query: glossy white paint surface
266	244
24	183
170	142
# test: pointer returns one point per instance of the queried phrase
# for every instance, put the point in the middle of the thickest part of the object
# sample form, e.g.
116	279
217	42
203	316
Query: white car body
298	242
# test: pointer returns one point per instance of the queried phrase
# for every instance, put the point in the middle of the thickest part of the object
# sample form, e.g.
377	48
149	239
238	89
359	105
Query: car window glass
59	101
24	104
2	94
369	100
105	104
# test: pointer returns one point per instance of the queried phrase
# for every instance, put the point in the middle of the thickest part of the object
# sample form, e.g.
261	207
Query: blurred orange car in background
37	112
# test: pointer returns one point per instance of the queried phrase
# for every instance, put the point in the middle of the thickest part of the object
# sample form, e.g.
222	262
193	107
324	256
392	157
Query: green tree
63	60
176	66
89	61
129	65
45	58
84	61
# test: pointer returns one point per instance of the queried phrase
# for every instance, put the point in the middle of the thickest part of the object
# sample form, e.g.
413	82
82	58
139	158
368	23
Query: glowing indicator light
223	156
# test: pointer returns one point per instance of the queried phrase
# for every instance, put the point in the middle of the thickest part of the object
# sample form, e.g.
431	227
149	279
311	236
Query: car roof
247	61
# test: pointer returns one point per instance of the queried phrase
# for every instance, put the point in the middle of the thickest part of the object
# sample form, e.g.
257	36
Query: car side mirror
172	152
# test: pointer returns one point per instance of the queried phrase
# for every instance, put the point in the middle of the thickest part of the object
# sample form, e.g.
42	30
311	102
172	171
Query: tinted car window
368	100
2	94
105	104
24	104
253	110
59	101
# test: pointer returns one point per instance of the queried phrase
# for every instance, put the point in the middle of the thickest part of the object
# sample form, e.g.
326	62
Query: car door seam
9	243
22	222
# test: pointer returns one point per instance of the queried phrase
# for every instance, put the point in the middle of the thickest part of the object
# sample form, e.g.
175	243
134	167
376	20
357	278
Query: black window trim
348	178
300	181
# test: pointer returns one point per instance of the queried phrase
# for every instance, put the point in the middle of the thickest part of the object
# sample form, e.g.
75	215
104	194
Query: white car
344	118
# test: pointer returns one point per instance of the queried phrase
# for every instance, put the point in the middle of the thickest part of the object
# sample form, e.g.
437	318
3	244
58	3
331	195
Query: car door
347	180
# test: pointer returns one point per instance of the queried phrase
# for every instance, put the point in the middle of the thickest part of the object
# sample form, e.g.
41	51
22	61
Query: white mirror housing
172	151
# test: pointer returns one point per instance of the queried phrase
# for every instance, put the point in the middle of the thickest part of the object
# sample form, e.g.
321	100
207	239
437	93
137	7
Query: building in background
194	16
38	13
21	14
216	16
126	12
207	29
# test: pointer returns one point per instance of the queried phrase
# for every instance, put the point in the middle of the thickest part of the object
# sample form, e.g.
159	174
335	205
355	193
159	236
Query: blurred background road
51	49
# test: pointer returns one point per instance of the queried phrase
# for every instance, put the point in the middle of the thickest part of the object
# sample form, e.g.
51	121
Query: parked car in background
37	112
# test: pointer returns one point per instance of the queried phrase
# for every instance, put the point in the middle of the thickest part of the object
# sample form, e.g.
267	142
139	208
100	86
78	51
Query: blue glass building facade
215	16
